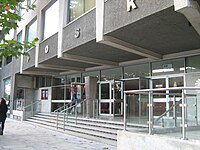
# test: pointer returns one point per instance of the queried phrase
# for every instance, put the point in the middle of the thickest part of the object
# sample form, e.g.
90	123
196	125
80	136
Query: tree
9	17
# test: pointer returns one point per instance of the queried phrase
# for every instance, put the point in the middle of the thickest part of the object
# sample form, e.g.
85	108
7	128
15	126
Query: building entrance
111	98
164	100
136	111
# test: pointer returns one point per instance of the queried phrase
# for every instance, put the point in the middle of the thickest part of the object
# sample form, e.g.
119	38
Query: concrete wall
52	43
117	16
86	24
136	141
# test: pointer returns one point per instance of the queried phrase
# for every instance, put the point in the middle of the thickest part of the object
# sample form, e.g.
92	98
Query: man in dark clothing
3	114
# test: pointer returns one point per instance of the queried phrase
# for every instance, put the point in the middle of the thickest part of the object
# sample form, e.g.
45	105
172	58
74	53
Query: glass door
166	102
137	110
110	98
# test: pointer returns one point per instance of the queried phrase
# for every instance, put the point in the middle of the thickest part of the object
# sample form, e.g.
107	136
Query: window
173	66
32	31
9	36
51	22
19	37
141	70
60	80
8	60
78	7
111	74
44	94
7	88
192	64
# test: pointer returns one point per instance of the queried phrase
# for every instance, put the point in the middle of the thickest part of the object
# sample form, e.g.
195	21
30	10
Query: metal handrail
60	108
150	93
162	115
66	110
66	114
37	101
31	106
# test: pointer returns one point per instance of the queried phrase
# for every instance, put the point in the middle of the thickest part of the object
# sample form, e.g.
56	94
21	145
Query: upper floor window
9	36
32	31
78	7
51	20
8	60
19	37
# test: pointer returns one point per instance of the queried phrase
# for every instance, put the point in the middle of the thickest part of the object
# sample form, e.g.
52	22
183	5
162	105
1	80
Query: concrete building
144	53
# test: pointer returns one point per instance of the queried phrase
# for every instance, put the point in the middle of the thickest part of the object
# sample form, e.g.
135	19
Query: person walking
3	114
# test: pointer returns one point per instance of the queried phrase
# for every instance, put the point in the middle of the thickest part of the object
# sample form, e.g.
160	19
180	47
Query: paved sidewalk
24	136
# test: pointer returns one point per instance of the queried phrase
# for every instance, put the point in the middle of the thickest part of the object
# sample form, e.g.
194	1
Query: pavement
20	135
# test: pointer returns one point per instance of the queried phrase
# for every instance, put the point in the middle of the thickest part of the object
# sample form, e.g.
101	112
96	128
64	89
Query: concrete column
90	93
62	22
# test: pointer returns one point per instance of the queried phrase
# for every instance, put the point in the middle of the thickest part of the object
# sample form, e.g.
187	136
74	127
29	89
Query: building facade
101	48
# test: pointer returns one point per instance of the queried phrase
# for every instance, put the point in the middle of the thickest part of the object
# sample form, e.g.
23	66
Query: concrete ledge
191	10
138	141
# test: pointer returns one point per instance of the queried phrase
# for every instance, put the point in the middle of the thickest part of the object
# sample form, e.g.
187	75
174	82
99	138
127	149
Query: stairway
94	129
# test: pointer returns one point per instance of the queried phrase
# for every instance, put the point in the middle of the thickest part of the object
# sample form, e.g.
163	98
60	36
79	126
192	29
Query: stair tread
76	129
97	128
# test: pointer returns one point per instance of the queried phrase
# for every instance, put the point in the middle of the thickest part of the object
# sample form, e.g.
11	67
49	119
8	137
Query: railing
77	109
31	109
173	107
187	113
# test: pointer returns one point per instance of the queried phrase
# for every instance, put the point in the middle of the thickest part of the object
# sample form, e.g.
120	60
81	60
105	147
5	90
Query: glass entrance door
110	98
164	100
137	110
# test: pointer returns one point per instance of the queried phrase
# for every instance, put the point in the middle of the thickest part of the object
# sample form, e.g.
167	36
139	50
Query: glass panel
51	20
192	64
58	93
42	81
176	82
118	90
32	31
191	109
117	107
89	4
111	74
8	60
104	108
7	89
159	83
59	80
105	91
78	7
68	92
168	67
19	37
48	81
55	106
136	71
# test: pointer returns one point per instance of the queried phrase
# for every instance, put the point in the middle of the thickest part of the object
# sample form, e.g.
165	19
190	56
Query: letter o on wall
46	49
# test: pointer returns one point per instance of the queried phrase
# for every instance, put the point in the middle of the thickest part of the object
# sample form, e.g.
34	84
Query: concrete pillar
90	94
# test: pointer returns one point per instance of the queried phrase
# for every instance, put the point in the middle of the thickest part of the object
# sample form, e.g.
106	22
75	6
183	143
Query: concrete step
103	130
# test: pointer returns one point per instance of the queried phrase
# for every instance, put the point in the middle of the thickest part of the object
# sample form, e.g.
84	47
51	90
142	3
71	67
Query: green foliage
9	17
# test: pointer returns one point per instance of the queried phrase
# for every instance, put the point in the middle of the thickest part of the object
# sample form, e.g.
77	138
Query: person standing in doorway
3	114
